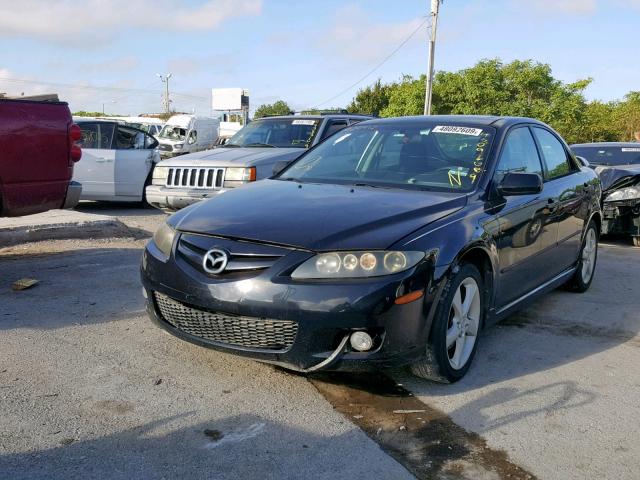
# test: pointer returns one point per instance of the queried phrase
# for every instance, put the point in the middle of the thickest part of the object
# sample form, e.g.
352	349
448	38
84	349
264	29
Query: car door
133	161
525	234
569	196
96	171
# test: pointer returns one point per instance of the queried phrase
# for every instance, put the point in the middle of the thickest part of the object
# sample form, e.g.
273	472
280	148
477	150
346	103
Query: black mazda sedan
394	242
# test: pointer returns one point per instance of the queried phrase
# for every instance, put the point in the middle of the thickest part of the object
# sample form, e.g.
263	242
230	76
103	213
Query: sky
106	53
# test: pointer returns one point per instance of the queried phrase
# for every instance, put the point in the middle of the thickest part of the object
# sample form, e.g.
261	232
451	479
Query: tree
520	88
277	108
371	100
627	116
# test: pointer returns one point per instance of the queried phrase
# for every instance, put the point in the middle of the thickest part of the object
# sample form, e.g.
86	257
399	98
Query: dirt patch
424	440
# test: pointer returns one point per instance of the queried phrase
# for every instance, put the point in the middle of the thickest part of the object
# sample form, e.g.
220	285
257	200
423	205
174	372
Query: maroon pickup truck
37	153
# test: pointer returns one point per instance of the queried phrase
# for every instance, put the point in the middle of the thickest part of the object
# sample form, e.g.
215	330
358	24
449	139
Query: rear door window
97	135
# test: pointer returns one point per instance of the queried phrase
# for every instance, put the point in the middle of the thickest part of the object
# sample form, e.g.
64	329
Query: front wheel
456	326
582	278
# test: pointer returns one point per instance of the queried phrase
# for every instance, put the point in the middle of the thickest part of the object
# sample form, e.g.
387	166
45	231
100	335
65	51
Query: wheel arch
479	256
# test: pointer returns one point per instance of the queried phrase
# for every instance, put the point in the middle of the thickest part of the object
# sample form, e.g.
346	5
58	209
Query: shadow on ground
240	447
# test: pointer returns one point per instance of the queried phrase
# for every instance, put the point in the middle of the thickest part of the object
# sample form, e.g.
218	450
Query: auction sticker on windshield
459	130
303	122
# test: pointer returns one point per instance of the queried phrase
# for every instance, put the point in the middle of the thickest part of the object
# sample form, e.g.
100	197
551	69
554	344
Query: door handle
103	160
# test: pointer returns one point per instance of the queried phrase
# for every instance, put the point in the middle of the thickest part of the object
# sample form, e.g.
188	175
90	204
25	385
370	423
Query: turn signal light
409	297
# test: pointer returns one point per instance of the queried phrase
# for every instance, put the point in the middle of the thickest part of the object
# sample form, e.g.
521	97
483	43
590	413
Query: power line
97	88
404	42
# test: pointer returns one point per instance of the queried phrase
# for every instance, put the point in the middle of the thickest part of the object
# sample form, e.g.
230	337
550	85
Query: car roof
318	116
485	120
606	144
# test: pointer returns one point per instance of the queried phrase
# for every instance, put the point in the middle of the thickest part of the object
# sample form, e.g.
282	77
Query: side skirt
555	282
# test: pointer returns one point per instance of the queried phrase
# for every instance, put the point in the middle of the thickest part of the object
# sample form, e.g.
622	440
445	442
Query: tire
582	278
147	182
461	324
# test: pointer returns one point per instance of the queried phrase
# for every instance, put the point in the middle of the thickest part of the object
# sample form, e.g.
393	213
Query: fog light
361	341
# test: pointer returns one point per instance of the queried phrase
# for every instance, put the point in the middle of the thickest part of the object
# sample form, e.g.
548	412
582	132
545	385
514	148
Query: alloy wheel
464	323
589	255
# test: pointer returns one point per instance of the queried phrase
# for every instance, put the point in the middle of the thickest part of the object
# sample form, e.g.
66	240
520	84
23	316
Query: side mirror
583	161
280	166
520	184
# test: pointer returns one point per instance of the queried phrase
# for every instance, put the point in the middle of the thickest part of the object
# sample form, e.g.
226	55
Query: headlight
178	146
160	175
163	238
234	177
629	193
357	264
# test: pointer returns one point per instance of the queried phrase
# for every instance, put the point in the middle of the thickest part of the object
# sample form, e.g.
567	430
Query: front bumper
323	312
73	195
621	217
173	198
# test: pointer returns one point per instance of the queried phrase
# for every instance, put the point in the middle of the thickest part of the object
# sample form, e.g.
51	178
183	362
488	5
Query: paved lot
89	388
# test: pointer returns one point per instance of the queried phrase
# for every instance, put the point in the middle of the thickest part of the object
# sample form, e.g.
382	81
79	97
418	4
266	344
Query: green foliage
278	108
627	115
521	88
371	100
82	113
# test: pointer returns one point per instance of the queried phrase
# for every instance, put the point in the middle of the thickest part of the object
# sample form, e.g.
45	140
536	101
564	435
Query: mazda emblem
215	261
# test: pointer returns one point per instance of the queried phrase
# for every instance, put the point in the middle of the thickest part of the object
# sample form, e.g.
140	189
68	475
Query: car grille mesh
228	329
196	177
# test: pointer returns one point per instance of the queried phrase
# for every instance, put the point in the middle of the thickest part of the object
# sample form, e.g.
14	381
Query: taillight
75	134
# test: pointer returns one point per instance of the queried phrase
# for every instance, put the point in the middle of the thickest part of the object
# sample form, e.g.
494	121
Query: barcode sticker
458	130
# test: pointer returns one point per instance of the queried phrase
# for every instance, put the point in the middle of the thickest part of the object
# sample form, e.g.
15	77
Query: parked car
117	161
184	134
618	165
37	156
391	243
250	155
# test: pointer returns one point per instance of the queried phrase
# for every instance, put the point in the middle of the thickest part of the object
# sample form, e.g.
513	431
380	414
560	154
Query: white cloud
552	7
72	22
356	37
121	64
212	64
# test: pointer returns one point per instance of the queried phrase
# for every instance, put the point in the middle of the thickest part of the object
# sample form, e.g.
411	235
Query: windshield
276	132
425	155
608	155
173	133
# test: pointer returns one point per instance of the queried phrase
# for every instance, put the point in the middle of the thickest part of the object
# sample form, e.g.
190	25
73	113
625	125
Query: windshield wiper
360	184
231	145
260	145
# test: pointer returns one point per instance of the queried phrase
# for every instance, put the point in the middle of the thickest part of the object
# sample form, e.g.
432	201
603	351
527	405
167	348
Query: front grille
245	258
164	147
250	332
212	178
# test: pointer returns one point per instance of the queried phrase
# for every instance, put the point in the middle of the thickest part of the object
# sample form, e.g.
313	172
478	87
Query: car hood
616	176
234	157
317	217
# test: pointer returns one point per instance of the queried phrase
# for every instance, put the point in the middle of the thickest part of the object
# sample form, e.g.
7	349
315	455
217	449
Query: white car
117	161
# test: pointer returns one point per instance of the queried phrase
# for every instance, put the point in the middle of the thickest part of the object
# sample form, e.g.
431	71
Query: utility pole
435	9
166	100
